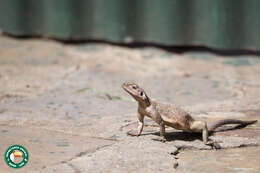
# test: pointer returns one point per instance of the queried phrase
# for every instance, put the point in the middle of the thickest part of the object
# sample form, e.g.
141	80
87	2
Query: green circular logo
16	156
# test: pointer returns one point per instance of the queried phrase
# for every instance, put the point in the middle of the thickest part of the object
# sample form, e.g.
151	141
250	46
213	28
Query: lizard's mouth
127	89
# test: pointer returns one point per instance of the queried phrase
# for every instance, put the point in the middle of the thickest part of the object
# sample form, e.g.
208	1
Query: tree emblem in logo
16	156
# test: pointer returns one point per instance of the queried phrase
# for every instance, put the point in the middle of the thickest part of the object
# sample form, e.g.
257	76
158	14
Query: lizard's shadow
183	136
178	135
190	136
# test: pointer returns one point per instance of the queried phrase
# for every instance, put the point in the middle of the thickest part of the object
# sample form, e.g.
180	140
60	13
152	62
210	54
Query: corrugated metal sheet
225	24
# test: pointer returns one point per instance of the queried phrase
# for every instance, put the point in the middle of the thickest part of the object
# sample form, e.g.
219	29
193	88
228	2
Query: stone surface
64	103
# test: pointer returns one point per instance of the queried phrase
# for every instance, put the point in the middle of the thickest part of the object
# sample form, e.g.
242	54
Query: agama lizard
167	114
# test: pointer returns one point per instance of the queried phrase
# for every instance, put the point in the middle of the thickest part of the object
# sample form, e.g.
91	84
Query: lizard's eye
134	87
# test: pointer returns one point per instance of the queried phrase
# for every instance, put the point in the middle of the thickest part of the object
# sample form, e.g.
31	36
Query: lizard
165	114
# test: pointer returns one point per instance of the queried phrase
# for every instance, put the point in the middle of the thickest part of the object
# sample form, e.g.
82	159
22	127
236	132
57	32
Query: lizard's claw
214	145
130	133
160	139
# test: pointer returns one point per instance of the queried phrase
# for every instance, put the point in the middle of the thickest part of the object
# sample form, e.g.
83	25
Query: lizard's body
167	114
181	119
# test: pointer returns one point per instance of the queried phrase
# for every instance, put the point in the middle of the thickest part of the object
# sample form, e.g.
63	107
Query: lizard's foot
209	143
131	133
161	139
213	144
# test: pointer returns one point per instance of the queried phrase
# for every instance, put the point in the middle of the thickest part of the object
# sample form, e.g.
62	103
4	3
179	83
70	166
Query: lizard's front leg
140	126
162	131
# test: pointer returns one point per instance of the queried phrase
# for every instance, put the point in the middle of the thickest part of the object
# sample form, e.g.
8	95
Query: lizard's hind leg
200	127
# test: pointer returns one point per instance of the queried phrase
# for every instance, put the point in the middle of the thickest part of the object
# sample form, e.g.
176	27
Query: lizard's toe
213	144
160	139
130	133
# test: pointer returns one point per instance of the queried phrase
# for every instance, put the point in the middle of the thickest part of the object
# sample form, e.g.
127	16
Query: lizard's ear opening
145	98
143	95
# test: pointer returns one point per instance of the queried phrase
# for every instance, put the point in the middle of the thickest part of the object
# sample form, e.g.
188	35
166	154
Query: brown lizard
167	114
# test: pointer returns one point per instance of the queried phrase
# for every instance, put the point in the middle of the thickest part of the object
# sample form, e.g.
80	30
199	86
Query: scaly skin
167	114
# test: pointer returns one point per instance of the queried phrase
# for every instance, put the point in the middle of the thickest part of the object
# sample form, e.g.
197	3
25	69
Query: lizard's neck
145	103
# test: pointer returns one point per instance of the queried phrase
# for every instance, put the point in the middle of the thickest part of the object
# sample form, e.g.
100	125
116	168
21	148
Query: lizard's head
135	91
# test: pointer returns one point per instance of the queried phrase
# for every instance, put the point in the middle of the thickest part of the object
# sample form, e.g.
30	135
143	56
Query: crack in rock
76	170
183	148
81	154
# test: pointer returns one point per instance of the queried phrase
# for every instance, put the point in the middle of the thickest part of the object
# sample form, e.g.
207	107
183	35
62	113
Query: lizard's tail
230	121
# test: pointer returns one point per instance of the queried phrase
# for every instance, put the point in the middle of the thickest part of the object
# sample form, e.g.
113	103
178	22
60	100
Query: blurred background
62	64
217	24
